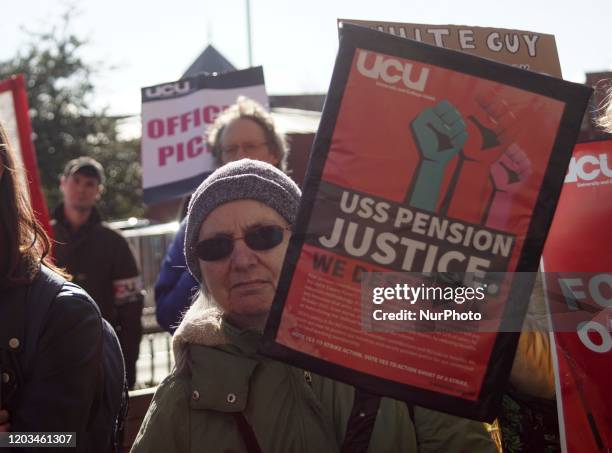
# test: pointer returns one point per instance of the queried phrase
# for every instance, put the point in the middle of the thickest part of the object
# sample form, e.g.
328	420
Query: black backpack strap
41	293
361	422
247	433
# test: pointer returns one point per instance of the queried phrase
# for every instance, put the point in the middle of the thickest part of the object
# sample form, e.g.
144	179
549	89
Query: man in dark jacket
98	257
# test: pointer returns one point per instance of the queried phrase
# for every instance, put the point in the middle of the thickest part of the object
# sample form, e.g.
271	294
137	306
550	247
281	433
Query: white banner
175	116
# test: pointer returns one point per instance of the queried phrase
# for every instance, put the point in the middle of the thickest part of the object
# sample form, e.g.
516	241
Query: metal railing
155	360
149	245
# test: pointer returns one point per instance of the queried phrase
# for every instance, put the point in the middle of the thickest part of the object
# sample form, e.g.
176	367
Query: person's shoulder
174	390
170	396
72	324
67	295
108	229
109	234
72	295
73	305
166	427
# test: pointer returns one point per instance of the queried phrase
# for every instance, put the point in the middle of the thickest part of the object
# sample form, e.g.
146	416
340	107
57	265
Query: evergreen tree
65	126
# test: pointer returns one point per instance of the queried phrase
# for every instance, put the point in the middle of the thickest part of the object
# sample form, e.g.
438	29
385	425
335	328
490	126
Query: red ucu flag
577	261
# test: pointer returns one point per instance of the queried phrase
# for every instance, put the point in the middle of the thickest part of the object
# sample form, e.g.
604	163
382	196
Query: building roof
295	121
210	60
312	102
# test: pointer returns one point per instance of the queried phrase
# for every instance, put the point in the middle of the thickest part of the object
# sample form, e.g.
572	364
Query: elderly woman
223	396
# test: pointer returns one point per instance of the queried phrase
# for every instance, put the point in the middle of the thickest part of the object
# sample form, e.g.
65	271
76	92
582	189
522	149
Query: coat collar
207	327
60	216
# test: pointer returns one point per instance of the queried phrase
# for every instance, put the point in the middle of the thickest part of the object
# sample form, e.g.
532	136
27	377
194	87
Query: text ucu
169	89
588	167
390	70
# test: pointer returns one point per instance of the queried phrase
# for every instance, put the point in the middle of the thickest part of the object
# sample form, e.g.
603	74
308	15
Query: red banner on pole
14	114
577	261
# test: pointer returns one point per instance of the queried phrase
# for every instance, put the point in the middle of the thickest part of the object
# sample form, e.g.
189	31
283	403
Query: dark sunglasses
257	238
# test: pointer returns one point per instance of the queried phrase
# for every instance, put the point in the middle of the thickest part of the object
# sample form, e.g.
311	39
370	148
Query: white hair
201	325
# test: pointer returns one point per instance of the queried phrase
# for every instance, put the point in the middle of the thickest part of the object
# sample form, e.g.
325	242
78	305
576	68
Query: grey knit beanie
243	179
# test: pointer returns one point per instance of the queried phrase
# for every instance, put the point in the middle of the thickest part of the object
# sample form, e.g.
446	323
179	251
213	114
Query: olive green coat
288	409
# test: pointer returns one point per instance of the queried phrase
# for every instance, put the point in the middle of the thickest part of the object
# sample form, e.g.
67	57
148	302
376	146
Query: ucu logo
169	89
391	71
588	168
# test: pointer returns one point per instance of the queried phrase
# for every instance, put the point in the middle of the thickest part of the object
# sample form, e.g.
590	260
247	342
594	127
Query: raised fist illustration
488	129
511	170
439	132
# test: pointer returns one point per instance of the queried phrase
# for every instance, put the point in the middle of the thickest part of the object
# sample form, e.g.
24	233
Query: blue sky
150	42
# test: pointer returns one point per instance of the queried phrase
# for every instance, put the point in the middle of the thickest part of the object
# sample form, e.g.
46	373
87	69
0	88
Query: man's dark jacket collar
60	217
